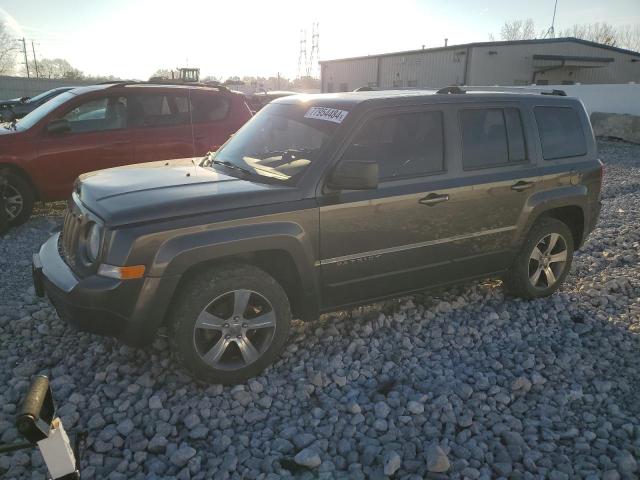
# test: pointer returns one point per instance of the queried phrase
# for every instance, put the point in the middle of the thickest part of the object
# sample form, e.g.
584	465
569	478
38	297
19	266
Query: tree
55	68
8	51
594	32
629	37
162	73
518	30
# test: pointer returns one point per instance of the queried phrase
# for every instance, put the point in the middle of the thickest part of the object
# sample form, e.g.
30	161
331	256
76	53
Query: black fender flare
543	201
183	252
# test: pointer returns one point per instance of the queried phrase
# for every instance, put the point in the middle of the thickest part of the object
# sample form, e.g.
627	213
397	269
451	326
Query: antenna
302	57
551	32
314	57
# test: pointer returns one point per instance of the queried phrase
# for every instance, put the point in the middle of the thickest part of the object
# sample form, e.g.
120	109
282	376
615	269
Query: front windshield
43	110
279	143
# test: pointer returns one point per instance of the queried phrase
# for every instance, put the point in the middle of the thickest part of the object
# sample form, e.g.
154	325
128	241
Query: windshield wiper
232	166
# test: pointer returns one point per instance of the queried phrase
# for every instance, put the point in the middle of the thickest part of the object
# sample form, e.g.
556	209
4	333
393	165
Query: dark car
319	203
258	100
11	110
101	126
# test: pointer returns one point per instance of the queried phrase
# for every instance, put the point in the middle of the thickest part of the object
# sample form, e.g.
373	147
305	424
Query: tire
220	349
18	198
519	281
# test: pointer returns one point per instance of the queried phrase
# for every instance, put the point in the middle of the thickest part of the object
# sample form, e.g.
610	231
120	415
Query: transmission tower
302	57
315	56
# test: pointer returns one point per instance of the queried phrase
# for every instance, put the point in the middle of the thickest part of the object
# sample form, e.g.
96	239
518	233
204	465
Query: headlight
94	238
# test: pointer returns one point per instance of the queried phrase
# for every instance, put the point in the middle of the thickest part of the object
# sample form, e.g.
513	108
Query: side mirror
354	175
60	125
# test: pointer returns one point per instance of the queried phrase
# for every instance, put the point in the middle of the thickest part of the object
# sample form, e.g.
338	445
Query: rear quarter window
561	133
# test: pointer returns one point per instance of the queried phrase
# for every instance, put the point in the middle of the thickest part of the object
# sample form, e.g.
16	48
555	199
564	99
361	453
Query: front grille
69	236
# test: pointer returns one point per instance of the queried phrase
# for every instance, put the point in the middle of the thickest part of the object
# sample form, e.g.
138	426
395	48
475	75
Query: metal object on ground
38	424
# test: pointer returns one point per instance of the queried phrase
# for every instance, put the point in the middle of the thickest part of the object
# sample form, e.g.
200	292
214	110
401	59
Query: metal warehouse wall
14	87
486	65
428	69
513	64
353	73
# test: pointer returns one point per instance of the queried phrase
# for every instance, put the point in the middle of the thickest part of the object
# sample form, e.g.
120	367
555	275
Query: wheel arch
15	169
567	204
283	250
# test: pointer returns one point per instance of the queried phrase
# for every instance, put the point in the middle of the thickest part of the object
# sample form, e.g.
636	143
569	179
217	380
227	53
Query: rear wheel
18	199
230	323
543	261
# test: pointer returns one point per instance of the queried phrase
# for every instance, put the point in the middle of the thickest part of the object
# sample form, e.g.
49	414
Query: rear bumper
131	310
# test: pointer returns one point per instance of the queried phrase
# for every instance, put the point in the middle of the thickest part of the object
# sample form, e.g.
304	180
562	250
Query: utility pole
26	61
35	60
551	33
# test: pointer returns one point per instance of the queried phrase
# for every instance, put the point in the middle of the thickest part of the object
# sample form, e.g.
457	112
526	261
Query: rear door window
159	109
492	137
106	113
209	107
403	144
561	133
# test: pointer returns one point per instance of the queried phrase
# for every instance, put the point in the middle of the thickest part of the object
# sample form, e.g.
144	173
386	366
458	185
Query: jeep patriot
319	203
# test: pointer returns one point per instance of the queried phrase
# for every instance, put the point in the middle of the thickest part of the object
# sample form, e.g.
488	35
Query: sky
133	38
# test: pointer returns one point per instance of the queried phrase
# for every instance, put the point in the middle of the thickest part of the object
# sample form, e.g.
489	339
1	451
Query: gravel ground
462	384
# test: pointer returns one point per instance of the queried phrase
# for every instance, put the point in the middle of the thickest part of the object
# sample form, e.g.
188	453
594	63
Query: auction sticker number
328	114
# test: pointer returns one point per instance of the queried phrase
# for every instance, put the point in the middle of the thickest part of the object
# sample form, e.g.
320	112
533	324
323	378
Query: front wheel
18	199
543	261
230	323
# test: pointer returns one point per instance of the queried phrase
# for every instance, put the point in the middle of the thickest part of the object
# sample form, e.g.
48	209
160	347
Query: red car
101	126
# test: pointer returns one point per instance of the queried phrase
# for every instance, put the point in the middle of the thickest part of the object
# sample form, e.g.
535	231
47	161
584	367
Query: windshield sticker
328	114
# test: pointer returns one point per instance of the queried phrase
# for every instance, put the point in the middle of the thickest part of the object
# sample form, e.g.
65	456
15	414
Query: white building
553	61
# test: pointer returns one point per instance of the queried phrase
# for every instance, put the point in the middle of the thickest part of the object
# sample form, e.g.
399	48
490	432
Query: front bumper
131	310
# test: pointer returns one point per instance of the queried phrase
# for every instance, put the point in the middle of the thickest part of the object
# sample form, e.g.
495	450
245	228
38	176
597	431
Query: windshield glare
43	110
278	142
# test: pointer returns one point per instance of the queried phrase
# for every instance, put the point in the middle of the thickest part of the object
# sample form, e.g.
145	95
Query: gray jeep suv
321	202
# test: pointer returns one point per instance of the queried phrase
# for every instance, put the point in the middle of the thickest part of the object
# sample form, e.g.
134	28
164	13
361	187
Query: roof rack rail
365	88
222	88
451	89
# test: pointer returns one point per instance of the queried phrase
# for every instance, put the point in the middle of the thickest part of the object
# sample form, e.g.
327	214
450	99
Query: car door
213	121
161	128
498	173
96	138
395	238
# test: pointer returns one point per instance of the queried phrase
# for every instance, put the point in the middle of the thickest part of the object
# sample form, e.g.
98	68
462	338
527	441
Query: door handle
521	186
433	199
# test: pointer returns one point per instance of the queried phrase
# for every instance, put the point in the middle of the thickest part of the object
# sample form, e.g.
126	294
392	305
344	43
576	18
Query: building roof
493	44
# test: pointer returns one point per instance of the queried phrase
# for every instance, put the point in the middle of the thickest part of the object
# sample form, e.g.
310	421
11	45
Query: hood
166	189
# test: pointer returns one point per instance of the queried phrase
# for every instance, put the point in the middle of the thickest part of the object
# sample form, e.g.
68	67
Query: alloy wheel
548	261
13	201
234	330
